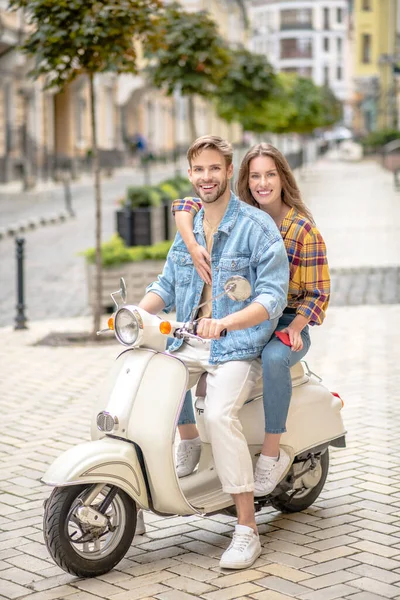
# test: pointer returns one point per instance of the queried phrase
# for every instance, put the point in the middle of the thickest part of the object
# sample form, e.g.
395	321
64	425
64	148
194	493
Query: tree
75	37
245	88
296	105
191	56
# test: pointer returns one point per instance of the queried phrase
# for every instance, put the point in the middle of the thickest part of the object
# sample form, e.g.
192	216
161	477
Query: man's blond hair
210	142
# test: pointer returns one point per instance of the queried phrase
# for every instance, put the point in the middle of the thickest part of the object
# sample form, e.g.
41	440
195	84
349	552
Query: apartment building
307	37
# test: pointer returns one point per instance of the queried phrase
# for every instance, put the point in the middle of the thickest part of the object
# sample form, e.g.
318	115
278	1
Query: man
241	240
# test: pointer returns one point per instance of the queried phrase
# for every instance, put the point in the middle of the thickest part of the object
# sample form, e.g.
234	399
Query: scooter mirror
237	288
122	286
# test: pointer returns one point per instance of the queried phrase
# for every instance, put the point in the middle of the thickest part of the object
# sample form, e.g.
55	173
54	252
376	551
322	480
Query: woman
267	182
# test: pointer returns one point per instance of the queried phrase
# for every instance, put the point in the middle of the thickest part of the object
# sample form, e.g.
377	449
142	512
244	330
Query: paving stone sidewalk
345	546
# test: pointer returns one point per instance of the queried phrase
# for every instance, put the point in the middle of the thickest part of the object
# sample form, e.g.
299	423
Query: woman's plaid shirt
309	285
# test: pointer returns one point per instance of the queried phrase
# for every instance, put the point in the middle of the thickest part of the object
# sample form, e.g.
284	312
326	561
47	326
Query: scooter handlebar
221	335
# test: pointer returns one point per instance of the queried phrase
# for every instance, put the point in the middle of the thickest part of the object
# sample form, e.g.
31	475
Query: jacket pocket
183	267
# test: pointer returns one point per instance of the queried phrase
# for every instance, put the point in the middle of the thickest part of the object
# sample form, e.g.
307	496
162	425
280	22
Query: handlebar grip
221	335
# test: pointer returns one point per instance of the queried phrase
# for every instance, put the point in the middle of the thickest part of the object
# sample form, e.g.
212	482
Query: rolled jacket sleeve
272	278
188	204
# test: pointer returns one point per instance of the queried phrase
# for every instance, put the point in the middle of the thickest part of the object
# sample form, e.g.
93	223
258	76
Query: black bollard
20	320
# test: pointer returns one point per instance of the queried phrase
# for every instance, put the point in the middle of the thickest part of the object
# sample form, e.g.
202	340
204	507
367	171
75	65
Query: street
55	284
347	545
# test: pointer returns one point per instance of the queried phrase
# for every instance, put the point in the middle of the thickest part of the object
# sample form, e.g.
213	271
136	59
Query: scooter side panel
314	417
103	461
153	426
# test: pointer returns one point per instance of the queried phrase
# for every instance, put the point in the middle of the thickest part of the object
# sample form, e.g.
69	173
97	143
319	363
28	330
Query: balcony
296	26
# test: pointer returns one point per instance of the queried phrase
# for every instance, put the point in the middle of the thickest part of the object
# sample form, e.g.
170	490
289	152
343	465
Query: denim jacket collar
228	220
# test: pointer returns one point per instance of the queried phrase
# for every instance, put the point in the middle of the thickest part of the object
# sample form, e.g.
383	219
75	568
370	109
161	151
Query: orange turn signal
110	323
165	327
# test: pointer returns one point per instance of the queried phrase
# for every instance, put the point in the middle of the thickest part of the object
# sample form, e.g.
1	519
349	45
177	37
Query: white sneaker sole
240	565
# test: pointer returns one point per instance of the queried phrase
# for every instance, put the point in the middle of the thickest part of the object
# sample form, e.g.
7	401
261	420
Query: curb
33	223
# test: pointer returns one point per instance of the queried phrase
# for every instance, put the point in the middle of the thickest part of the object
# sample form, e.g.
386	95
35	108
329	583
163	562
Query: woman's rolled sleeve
188	204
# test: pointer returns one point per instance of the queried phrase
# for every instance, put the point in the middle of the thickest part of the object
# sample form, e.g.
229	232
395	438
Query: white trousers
229	385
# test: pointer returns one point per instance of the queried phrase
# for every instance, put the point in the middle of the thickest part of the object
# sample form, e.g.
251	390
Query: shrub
138	196
114	252
181	184
376	139
141	196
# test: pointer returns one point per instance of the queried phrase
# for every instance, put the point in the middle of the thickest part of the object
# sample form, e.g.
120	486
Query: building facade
376	56
162	121
307	37
45	131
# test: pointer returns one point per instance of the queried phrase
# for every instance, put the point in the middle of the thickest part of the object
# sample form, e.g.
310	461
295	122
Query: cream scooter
90	517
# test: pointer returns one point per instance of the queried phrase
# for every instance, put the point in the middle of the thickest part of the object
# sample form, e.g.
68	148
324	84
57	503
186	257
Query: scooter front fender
107	460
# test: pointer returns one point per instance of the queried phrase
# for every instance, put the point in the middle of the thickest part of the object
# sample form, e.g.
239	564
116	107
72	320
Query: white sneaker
140	524
187	457
269	472
244	550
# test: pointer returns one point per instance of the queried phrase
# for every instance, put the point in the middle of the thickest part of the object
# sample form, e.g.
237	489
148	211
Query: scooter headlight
128	325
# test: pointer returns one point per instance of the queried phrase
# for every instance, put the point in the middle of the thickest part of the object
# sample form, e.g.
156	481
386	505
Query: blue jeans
277	359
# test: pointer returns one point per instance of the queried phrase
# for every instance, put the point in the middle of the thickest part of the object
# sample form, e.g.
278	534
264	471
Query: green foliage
181	184
70	37
190	56
295	104
114	252
169	192
377	139
247	85
146	195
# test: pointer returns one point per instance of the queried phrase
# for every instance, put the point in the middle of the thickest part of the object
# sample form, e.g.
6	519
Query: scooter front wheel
76	543
302	498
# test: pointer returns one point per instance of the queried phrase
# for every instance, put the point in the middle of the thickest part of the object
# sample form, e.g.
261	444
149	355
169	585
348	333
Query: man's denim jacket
247	243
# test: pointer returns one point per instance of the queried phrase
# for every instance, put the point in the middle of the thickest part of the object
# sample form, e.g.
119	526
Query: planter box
137	275
141	226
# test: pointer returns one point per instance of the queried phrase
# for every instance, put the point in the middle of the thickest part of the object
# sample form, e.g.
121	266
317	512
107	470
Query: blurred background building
349	45
307	37
375	32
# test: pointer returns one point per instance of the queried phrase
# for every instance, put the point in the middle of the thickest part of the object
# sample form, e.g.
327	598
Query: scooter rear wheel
291	503
87	551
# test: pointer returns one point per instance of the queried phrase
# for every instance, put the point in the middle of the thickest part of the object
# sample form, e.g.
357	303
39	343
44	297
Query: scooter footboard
108	460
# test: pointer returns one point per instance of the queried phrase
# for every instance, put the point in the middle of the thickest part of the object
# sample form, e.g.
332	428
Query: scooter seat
296	372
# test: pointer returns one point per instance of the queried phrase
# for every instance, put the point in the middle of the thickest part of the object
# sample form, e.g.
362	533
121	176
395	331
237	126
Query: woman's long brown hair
290	192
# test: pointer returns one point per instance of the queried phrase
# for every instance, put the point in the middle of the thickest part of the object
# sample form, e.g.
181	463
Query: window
296	19
366	46
339	73
326	44
367	5
296	48
326	75
339	45
326	18
339	15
